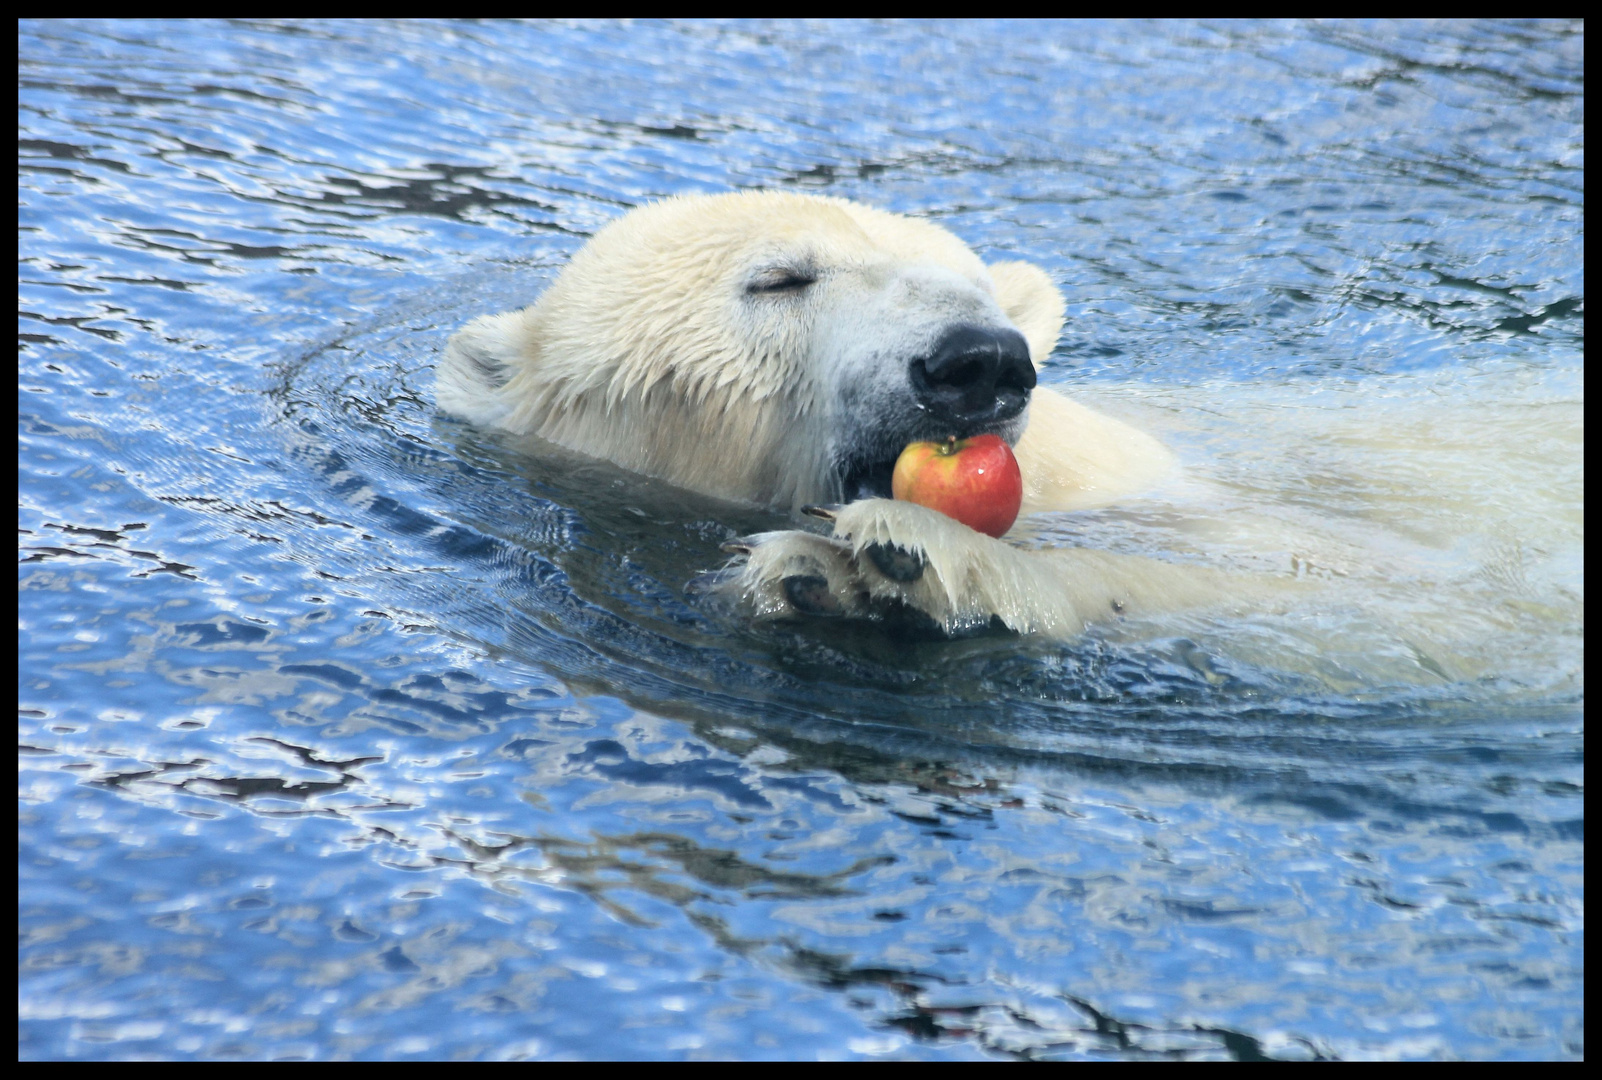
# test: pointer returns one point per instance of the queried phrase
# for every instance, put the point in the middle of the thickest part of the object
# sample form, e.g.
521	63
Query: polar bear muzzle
974	378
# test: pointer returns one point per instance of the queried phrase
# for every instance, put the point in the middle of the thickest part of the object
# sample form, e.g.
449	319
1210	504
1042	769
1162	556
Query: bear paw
887	561
788	573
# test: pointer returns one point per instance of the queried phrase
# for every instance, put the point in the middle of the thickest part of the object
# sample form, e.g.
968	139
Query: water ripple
347	731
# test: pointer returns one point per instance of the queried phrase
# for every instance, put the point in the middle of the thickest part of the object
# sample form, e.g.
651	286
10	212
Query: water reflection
349	731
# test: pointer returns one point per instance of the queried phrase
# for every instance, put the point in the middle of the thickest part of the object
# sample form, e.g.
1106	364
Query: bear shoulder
1074	458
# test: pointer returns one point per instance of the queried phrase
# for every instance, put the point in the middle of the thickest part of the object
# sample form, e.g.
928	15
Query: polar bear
782	349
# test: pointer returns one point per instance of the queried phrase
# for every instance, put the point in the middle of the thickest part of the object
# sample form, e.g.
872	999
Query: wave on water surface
350	730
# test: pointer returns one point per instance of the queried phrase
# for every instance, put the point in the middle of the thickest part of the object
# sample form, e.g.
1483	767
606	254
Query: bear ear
1033	304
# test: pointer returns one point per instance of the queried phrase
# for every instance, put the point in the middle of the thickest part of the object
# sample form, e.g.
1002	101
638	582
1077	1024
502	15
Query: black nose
975	377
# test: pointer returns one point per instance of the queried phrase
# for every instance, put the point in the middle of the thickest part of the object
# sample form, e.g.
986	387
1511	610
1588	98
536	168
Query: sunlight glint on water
349	731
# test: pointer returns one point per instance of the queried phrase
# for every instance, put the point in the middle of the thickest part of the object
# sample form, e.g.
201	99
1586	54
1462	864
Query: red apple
973	480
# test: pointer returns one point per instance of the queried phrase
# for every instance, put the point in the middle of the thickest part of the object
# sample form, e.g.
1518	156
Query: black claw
897	564
809	594
826	513
736	547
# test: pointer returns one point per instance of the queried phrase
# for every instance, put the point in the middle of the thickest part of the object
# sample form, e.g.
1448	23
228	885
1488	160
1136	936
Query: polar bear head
770	347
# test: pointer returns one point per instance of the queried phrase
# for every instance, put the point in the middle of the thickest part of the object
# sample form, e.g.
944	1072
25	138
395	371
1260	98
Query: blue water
348	731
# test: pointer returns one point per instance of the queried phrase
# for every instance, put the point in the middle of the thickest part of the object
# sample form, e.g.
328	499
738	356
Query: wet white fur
647	350
968	578
650	351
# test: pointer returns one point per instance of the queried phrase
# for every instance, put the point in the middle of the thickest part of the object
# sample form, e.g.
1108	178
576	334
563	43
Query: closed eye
780	280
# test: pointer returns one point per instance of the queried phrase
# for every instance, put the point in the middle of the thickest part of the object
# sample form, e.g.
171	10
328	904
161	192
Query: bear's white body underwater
781	349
